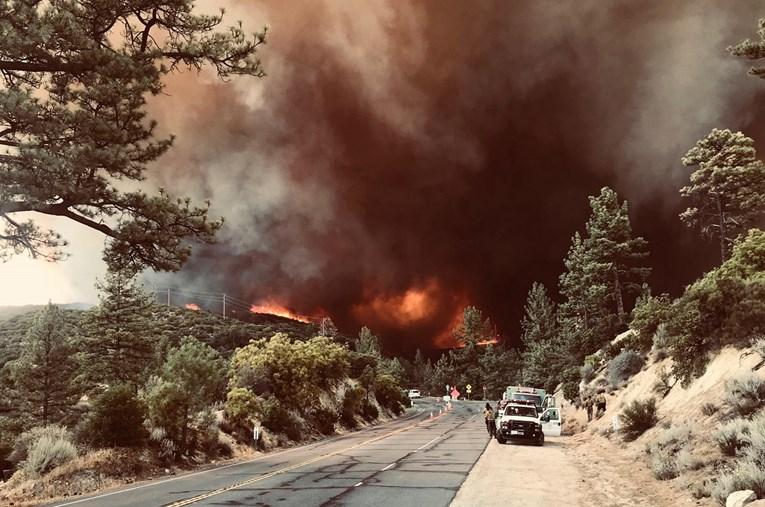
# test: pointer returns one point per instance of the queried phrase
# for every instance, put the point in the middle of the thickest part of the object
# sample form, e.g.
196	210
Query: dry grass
85	474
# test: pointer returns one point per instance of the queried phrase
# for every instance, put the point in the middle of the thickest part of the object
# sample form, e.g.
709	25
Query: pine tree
75	78
543	349
43	376
584	288
539	321
727	188
367	343
473	328
752	50
191	379
118	339
611	244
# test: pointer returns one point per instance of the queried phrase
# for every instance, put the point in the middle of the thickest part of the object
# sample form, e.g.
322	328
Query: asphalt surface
413	461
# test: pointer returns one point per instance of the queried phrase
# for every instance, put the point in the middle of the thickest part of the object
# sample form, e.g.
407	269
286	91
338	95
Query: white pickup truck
520	421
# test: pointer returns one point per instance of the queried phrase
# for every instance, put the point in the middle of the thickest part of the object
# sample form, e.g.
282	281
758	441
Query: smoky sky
404	159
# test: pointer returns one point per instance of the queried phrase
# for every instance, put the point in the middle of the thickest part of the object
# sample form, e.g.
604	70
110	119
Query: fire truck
548	413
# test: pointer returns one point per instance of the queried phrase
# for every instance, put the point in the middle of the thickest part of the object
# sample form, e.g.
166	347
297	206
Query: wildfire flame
482	343
191	306
273	308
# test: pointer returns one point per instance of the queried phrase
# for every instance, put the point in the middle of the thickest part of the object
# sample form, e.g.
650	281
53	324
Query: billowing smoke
403	159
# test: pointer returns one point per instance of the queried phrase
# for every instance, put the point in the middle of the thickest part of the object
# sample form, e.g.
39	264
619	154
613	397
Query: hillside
224	335
680	450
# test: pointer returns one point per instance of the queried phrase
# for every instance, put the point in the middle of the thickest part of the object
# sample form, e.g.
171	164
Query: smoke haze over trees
401	161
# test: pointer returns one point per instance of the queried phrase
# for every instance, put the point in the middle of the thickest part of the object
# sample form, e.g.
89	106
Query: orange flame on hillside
273	308
191	306
482	343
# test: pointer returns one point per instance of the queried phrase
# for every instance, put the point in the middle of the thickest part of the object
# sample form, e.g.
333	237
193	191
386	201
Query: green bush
277	418
369	411
725	306
389	394
611	350
116	418
744	394
587	372
323	419
571	378
637	417
351	405
623	366
649	313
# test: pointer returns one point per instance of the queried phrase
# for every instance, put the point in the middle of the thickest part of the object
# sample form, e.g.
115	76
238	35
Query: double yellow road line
289	468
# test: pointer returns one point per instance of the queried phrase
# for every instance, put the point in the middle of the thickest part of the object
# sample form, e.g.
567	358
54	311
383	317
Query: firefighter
488	415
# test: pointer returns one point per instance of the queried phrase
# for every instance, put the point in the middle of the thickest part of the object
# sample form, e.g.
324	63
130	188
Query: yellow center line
209	494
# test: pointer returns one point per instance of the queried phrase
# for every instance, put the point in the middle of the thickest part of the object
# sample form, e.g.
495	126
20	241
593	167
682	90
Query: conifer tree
75	139
473	328
43	376
611	245
118	338
584	289
542	347
727	188
367	343
752	50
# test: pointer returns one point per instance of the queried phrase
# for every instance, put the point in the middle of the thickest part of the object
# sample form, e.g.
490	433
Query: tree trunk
618	297
185	430
721	218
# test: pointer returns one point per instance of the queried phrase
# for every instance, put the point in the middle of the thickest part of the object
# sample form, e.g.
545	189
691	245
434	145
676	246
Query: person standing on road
588	407
488	415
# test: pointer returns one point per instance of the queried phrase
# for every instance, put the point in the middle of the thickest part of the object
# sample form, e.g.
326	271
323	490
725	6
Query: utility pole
224	305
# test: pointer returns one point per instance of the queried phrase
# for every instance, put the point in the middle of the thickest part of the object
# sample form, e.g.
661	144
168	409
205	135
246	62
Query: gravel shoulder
518	474
578	471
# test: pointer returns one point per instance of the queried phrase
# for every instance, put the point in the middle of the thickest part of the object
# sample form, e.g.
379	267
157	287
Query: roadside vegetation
79	383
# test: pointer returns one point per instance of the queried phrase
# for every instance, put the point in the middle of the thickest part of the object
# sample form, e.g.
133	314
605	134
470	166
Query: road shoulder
517	474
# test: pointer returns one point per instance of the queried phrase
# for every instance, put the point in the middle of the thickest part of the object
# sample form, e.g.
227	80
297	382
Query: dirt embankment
615	472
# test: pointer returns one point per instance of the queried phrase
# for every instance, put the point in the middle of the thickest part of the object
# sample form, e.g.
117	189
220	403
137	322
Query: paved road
414	462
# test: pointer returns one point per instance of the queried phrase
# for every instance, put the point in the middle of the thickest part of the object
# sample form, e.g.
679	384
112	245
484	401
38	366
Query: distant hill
7	312
173	323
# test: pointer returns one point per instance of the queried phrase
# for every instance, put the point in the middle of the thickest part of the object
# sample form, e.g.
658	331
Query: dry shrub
732	436
748	472
670	455
744	394
48	453
709	409
637	417
623	366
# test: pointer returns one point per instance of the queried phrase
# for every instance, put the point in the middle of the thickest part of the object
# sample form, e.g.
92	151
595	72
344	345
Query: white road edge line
184	476
428	443
386	468
358	484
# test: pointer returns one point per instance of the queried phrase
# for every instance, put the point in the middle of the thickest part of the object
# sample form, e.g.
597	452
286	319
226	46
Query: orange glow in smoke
273	308
191	306
410	307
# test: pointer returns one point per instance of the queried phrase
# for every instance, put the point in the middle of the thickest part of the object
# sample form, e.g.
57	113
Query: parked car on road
414	393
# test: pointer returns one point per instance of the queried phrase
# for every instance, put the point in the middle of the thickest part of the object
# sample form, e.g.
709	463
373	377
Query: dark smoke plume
403	159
